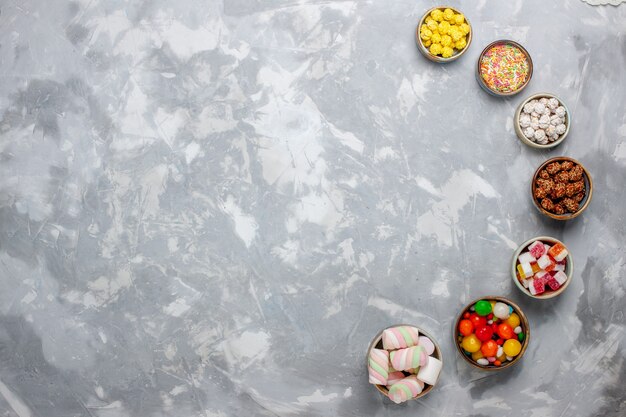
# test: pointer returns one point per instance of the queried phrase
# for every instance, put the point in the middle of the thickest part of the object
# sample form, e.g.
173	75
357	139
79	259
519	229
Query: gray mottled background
209	208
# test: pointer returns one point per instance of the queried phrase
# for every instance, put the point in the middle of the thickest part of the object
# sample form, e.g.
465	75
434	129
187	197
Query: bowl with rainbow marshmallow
542	267
404	363
491	333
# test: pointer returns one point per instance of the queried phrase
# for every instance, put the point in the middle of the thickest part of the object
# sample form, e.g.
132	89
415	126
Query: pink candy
405	389
409	358
537	249
400	337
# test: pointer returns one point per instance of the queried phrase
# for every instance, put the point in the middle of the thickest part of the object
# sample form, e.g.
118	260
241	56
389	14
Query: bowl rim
569	268
518	129
530	68
523	319
426	52
586	200
437	354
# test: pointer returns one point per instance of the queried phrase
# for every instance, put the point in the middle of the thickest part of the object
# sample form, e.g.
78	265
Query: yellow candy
446	40
446	52
459	18
426	43
444	28
432	25
456	34
436	38
437	15
493	303
477	355
435	49
502	358
448	14
460	44
513	320
426	34
465	28
512	347
428	19
471	343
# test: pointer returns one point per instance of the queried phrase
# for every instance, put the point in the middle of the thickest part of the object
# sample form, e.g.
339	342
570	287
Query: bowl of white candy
542	121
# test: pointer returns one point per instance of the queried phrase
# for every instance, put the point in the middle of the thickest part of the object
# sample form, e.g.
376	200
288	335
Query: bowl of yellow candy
443	34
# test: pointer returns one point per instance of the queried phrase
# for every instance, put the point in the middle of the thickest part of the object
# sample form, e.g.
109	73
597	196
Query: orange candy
497	363
505	331
489	348
466	327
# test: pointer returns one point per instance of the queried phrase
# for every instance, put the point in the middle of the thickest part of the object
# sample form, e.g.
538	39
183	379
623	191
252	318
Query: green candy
482	307
521	336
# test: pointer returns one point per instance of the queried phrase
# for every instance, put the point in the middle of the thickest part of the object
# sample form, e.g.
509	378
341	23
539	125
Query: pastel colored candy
404	390
526	257
560	277
558	252
429	373
409	358
537	249
501	311
378	366
525	270
395	377
546	263
427	344
400	337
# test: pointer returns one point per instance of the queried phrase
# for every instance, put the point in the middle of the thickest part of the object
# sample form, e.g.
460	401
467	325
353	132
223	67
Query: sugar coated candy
546	263
537	249
558	252
526	257
560	277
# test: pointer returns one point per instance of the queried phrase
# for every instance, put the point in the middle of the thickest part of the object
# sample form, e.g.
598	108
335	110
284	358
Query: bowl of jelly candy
491	333
542	267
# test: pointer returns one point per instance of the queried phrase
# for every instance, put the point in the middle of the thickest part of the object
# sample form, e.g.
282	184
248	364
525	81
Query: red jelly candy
553	283
484	333
539	285
477	321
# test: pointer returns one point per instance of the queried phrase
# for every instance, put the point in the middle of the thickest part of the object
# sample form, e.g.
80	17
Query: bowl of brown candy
561	188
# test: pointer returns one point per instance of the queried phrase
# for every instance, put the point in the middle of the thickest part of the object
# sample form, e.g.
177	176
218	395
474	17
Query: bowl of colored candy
403	363
542	267
542	121
504	68
561	188
443	34
491	333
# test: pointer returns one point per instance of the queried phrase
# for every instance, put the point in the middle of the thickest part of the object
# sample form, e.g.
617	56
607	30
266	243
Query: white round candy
529	132
543	100
509	358
534	122
489	321
529	107
500	351
555	120
540	135
553	103
482	361
501	310
534	114
524	120
540	108
544	121
560	129
554	137
517	330
550	130
560	111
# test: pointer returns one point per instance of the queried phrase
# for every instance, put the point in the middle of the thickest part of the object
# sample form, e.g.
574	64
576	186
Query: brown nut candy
547	185
570	204
553	168
559	209
579	197
579	187
576	173
558	191
547	204
562	177
540	193
544	174
567	165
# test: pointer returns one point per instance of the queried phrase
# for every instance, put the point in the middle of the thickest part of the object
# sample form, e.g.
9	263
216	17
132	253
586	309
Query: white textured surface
209	208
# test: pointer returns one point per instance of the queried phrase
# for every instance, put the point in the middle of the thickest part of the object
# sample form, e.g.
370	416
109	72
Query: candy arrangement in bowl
542	267
443	34
404	363
504	68
561	188
491	333
542	121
